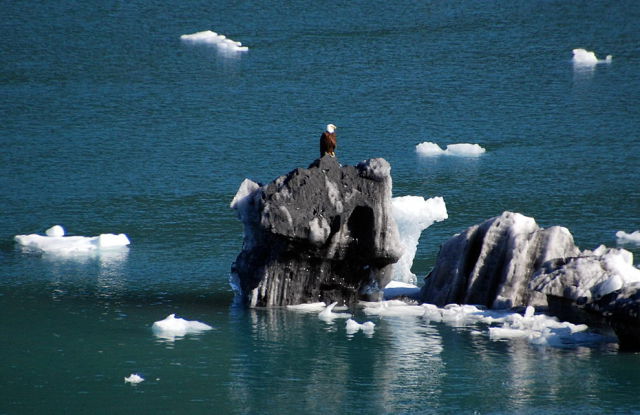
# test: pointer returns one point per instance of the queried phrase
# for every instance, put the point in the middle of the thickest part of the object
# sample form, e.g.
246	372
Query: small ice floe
55	242
537	329
628	238
328	315
429	149
393	308
134	379
583	57
540	329
171	328
209	37
308	307
353	327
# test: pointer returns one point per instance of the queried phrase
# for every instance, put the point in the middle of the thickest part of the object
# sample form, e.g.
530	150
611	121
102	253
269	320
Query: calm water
110	124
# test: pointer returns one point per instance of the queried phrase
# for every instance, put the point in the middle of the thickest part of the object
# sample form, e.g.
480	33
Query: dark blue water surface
109	124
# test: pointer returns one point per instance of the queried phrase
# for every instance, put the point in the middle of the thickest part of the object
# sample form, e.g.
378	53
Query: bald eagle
328	141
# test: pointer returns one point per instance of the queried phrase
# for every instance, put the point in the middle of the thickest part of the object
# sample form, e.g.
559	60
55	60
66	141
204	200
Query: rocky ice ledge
327	233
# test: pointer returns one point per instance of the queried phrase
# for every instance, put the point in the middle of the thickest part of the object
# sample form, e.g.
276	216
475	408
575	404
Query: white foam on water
353	327
429	149
55	242
537	329
209	37
583	57
171	328
328	315
413	214
308	307
628	238
134	379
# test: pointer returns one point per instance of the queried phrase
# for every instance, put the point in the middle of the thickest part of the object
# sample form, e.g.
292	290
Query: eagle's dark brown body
328	143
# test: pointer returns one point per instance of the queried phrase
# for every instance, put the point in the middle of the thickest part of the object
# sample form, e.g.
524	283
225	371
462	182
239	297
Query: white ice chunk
328	315
308	307
538	329
353	327
398	288
583	57
209	37
172	327
55	230
55	242
134	378
413	214
429	149
624	237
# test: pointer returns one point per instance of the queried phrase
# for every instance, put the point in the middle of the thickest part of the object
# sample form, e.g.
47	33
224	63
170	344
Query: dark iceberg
491	264
599	287
325	233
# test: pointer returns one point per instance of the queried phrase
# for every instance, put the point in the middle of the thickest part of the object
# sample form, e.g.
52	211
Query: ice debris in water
134	378
538	329
429	149
209	37
308	307
172	327
624	238
353	327
413	214
56	242
328	315
583	57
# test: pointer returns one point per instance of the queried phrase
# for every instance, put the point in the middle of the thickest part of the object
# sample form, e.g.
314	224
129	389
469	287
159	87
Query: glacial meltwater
131	125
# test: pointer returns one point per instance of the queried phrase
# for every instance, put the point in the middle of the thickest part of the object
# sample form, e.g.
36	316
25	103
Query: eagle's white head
331	128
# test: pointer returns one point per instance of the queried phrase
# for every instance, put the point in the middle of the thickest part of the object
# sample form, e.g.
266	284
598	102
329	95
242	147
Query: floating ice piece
538	329
393	308
624	238
413	214
582	57
353	327
172	327
212	38
544	330
429	149
56	242
399	288
308	307
328	315
134	379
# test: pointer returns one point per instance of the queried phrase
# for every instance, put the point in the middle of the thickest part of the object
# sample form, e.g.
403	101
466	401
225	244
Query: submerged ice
55	242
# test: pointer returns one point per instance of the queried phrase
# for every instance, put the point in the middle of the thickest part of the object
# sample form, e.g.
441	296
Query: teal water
109	124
